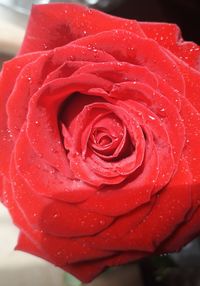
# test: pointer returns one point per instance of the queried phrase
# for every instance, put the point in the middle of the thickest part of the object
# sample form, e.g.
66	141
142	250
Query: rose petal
88	271
182	235
169	36
43	124
128	47
54	25
57	250
169	210
108	170
9	73
50	183
52	216
133	193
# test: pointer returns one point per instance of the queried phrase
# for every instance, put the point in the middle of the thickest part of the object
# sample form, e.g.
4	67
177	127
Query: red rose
100	132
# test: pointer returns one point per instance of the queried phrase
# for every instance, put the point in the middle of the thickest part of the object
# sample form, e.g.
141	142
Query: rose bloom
100	135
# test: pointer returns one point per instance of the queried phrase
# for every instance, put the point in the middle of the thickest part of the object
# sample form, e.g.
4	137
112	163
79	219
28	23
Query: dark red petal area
55	25
183	234
87	271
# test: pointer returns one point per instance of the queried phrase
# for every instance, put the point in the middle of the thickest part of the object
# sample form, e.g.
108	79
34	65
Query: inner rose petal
102	142
108	137
86	156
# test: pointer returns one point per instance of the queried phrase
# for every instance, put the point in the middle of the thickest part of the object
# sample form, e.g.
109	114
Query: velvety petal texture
99	139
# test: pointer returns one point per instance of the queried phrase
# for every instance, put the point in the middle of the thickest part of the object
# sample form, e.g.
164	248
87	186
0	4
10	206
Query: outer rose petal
87	270
57	250
53	216
8	77
43	109
168	212
32	166
53	64
169	36
183	234
54	25
126	46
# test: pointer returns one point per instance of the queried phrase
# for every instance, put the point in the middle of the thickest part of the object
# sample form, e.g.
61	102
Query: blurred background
171	270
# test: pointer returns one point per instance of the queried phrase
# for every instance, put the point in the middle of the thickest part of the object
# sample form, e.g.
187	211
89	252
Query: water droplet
52	171
45	46
151	117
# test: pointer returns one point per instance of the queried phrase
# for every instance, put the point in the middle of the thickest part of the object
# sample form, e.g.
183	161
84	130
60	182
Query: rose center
102	137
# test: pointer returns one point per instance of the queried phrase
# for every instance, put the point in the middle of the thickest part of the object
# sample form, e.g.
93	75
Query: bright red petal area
1	188
169	36
54	64
169	210
28	81
129	47
49	183
55	25
8	77
192	84
121	229
57	250
53	216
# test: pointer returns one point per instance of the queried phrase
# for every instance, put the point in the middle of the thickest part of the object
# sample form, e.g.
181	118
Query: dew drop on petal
151	117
